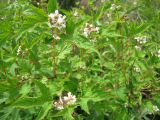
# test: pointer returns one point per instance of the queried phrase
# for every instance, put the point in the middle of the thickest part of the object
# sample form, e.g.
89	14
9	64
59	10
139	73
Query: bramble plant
94	62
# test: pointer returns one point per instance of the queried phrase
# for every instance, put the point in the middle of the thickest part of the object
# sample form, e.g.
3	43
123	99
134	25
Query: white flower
126	105
155	108
115	7
93	40
141	39
24	77
56	37
75	14
19	51
85	34
108	15
136	69
38	3
138	47
59	104
135	3
158	53
57	20
64	101
97	29
89	28
69	99
102	1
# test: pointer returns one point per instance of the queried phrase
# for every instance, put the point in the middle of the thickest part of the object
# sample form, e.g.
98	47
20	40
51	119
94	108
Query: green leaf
25	65
29	102
13	68
52	6
63	52
91	94
6	113
25	89
81	43
143	27
4	87
2	100
44	110
44	90
56	87
84	104
70	26
66	113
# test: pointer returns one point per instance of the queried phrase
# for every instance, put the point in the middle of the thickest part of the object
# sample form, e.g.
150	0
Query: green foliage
109	67
52	6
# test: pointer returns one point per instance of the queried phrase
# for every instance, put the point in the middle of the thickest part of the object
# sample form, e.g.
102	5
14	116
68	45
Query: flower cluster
102	1
138	47
75	14
141	39
65	100
24	77
59	104
137	69
155	108
158	53
57	20
115	7
89	28
19	51
56	37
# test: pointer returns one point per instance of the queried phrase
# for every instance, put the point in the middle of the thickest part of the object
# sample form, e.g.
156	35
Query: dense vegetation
83	60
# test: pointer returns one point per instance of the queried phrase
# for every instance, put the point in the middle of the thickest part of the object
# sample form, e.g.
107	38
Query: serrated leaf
4	87
25	89
84	104
44	90
29	102
66	113
52	5
13	68
44	110
142	28
91	94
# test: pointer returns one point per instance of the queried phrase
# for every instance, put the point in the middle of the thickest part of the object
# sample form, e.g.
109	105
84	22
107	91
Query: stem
54	55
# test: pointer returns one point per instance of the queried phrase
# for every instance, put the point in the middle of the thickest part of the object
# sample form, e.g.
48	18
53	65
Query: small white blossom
19	51
136	69
93	40
97	29
24	77
141	39
155	108
89	28
75	14
102	1
57	20
56	37
69	99
135	3
158	53
38	3
126	105
59	104
108	15
138	47
115	7
64	101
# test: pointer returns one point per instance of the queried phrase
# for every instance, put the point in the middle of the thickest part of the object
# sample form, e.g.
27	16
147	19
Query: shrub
101	63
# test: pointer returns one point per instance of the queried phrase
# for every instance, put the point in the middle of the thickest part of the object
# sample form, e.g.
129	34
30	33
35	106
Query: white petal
56	12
